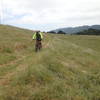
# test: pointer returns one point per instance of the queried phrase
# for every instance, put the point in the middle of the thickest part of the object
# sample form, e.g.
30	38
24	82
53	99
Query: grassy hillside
67	68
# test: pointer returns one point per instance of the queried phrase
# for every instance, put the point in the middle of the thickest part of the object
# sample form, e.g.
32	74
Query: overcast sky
50	14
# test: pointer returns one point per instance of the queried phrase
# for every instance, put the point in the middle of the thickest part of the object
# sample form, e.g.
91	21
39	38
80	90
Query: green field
67	68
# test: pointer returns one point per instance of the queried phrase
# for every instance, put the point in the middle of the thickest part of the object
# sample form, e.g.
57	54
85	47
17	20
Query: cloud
50	14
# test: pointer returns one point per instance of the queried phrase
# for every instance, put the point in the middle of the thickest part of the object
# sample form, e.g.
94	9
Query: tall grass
66	69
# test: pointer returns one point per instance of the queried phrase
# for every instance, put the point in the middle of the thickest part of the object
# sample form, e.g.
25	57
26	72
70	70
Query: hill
89	32
71	30
67	68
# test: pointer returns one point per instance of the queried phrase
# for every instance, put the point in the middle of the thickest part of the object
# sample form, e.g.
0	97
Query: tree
51	32
61	32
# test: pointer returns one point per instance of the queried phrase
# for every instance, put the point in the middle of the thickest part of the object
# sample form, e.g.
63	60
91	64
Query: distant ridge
89	32
70	30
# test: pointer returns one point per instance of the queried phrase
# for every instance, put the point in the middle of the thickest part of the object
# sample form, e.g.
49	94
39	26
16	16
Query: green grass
67	68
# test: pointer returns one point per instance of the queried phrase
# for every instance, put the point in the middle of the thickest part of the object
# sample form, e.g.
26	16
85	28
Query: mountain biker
38	37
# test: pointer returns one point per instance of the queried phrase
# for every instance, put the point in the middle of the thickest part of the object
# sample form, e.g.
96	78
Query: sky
47	15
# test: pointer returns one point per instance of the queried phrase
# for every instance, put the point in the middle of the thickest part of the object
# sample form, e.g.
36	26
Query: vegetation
67	68
61	32
89	32
52	32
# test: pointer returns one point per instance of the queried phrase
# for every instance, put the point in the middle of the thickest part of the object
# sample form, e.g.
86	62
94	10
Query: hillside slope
70	30
89	32
67	68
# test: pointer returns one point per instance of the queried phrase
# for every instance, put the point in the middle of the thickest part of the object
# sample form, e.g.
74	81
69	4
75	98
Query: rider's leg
40	45
36	46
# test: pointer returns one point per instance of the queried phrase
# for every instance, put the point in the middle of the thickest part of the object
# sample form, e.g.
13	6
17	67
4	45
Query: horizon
49	30
46	15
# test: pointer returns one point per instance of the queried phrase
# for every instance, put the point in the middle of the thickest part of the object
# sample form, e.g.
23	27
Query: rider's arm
34	36
41	35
